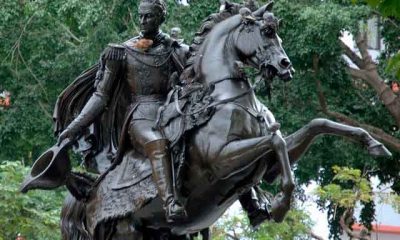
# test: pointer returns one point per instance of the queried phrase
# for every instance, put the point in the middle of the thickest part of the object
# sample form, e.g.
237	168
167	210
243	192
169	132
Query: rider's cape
99	141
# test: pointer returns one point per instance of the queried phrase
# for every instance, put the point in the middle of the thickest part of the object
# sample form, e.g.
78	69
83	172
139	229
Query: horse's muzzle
286	75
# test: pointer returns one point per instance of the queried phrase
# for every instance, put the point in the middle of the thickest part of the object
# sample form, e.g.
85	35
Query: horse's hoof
280	206
259	216
379	150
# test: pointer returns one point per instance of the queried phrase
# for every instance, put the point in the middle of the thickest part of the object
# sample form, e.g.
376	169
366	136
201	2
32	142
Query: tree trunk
377	133
345	220
367	71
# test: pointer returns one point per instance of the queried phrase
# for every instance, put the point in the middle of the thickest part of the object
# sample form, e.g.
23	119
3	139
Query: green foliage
394	200
394	65
386	7
189	18
296	225
357	188
389	198
348	188
35	215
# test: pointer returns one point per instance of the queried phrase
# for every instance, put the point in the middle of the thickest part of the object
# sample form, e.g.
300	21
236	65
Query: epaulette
114	52
177	43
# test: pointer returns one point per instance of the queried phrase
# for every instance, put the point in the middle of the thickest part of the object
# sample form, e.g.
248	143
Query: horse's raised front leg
298	142
240	154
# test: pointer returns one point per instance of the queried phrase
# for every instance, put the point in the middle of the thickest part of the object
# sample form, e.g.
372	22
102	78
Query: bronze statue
146	104
149	61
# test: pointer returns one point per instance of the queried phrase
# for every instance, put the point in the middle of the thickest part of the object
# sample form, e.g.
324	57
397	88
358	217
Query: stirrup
175	211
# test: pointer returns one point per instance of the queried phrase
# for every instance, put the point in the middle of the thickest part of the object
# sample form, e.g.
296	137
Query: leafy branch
347	188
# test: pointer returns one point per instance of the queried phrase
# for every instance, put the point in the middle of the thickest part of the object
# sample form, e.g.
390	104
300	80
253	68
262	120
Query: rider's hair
159	3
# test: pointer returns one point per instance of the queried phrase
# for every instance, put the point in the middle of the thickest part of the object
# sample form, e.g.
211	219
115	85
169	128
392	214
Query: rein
231	99
223	101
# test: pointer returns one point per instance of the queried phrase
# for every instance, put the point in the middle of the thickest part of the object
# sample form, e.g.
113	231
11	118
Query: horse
238	145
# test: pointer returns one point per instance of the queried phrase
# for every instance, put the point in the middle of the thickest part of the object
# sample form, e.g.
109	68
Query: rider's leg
159	155
156	149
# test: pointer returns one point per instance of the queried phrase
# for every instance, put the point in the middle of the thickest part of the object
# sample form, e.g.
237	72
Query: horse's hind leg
126	230
120	229
240	154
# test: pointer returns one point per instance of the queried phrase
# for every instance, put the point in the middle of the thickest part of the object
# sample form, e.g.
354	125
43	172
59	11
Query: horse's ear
267	7
224	5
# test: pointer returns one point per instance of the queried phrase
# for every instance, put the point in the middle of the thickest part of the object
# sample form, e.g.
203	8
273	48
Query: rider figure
147	62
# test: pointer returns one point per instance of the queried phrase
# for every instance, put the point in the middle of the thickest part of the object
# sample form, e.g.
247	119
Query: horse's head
259	45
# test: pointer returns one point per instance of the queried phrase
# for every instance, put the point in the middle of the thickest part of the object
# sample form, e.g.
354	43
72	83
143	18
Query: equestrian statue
173	135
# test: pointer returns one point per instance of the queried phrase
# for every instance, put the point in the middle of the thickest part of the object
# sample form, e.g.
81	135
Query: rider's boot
257	206
158	153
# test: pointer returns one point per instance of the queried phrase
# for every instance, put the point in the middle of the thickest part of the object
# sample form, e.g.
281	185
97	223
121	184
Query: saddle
185	109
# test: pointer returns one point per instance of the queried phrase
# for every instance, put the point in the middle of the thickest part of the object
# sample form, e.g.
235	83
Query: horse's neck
218	60
219	63
218	53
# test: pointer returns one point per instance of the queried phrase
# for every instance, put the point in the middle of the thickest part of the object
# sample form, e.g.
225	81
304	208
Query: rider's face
150	19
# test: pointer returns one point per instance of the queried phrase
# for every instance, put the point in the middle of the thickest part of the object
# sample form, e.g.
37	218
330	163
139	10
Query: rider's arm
112	60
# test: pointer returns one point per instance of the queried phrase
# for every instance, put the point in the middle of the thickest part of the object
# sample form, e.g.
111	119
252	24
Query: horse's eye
269	31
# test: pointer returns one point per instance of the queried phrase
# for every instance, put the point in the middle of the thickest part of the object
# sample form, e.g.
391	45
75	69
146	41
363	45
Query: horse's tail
73	220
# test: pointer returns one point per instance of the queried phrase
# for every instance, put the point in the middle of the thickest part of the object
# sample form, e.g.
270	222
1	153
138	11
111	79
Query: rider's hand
67	133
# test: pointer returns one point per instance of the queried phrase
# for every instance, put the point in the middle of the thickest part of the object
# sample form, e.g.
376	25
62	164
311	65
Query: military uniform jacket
124	78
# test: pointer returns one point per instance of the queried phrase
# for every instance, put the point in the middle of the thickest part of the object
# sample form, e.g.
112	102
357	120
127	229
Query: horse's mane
189	73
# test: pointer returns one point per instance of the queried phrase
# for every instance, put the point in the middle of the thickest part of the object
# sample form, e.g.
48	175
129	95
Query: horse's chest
246	123
229	123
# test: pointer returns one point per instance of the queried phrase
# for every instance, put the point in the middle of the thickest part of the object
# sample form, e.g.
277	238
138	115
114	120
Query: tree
35	215
348	188
296	225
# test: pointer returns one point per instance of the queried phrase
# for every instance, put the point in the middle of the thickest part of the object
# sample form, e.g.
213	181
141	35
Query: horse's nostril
285	63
